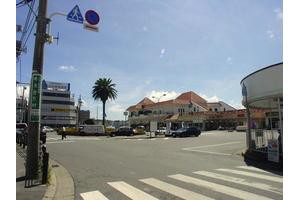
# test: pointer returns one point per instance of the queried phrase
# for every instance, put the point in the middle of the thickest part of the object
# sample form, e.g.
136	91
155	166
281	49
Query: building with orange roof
189	109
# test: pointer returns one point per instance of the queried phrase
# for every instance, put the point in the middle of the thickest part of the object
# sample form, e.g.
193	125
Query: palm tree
104	89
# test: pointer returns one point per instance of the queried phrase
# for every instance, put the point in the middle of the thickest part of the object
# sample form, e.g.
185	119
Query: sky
152	47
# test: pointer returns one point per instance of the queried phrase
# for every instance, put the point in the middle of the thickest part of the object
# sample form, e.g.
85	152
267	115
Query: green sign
35	97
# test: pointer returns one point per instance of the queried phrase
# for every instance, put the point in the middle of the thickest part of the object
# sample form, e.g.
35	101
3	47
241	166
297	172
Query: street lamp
78	110
158	98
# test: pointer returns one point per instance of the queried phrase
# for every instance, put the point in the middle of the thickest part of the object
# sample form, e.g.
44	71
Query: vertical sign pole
33	143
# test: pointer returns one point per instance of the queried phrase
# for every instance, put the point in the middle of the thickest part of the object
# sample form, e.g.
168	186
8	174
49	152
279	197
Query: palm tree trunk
103	114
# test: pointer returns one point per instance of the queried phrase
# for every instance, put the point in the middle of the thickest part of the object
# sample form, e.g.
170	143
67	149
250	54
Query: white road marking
211	145
48	138
240	181
219	188
166	138
174	190
253	169
94	195
197	148
260	176
131	191
210	152
57	142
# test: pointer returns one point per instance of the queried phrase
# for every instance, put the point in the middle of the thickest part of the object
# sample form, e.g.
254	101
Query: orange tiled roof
192	96
183	99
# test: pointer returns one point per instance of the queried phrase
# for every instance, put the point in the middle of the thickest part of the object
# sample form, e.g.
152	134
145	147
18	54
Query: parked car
139	130
161	131
68	131
91	130
241	128
186	132
123	131
110	129
230	129
47	129
21	126
21	133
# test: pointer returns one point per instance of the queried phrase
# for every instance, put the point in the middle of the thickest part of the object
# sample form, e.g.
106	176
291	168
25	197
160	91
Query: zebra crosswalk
252	178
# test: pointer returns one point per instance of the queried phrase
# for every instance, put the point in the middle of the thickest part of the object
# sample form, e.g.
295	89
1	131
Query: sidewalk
22	193
260	160
61	185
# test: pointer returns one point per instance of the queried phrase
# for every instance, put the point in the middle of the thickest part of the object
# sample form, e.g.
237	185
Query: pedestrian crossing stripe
219	188
95	195
250	174
137	194
253	169
131	191
240	181
174	190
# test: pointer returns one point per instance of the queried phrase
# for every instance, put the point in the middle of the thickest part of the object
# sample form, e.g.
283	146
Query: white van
91	130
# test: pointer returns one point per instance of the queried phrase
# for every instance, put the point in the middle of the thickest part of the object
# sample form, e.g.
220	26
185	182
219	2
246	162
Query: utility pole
33	142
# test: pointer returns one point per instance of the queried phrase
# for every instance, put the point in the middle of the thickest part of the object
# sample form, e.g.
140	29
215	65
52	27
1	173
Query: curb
262	161
61	184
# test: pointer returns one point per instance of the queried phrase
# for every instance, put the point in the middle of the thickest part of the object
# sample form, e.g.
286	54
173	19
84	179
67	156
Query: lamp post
158	99
78	110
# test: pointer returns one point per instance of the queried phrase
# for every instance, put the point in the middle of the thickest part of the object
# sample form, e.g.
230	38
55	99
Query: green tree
104	89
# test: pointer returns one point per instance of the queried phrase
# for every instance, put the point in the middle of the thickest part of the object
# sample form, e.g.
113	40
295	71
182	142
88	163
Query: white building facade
58	106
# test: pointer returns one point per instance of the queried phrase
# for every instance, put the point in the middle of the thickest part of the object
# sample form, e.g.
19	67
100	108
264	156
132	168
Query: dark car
186	132
123	131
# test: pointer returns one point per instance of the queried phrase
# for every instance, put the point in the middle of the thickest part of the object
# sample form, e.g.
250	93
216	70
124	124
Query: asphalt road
141	168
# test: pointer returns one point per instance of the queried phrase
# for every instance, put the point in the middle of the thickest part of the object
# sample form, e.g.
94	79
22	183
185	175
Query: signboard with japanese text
35	97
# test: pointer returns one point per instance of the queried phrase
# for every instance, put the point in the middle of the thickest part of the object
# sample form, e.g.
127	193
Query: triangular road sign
75	15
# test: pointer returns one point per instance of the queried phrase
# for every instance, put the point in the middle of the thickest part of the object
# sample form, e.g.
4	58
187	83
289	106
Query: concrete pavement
60	186
129	168
22	193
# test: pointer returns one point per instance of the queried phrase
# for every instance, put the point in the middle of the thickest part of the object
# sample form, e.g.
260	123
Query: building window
58	102
224	109
50	94
216	109
210	109
194	109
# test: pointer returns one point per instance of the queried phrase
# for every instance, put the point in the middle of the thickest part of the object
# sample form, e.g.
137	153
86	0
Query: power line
20	69
29	34
30	7
20	2
26	22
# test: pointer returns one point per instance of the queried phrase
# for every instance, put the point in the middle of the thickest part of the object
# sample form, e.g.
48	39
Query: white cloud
278	12
115	107
237	105
229	60
158	95
66	68
148	81
270	34
162	52
210	99
145	28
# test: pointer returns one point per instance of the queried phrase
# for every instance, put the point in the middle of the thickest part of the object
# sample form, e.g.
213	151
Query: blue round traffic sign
92	17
